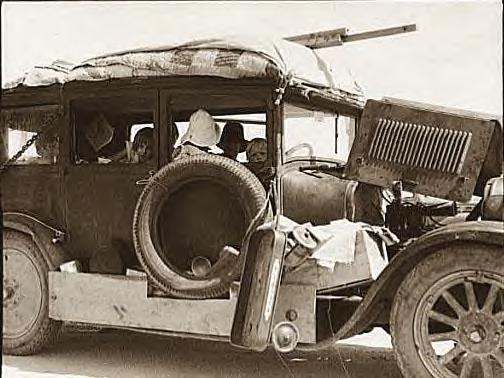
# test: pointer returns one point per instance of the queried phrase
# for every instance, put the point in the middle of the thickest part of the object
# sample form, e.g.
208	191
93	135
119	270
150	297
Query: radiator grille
416	145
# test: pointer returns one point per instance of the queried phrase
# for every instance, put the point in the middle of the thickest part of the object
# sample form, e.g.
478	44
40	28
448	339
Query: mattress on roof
230	57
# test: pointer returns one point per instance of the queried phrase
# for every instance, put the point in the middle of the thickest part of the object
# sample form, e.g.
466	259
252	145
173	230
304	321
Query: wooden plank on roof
337	37
379	33
320	40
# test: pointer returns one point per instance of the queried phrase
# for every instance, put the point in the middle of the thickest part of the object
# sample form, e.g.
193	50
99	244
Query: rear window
39	124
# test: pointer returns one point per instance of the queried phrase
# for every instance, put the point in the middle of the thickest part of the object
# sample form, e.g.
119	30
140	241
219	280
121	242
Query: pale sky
454	59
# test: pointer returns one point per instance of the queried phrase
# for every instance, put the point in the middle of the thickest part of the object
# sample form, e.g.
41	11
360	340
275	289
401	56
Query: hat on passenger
99	132
202	130
233	131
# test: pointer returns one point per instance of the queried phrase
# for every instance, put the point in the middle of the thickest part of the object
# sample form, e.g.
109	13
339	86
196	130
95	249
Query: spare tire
195	207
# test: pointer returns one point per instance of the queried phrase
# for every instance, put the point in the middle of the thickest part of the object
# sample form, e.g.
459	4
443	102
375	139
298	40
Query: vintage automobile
198	246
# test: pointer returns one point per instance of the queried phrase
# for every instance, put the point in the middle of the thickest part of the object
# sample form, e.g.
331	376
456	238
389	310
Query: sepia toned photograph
252	189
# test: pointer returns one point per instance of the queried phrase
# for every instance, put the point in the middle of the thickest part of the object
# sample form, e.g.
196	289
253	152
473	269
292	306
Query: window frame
132	95
336	132
55	113
168	104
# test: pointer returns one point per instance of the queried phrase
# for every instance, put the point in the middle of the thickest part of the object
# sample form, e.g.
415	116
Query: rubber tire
452	258
44	331
205	166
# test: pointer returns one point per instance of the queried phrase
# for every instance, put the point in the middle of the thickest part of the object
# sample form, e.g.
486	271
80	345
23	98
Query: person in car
201	135
257	150
47	149
256	155
94	132
142	148
232	141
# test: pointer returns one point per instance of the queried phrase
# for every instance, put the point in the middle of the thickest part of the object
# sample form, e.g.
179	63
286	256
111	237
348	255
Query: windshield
317	133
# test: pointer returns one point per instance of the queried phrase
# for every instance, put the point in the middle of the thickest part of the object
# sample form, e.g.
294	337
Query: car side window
108	133
39	124
253	126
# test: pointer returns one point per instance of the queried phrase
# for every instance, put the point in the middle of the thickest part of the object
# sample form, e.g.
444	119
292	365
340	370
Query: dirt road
124	354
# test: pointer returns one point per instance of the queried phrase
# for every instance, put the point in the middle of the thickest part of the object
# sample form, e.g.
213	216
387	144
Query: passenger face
257	151
144	150
258	156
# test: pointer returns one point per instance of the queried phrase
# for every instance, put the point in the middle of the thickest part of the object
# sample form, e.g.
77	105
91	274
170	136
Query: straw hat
202	130
99	132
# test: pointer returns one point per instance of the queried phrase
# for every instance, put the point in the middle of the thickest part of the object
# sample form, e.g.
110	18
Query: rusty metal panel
116	300
301	299
433	152
34	190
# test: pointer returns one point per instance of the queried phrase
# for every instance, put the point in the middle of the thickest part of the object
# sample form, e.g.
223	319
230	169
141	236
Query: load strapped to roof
277	60
291	62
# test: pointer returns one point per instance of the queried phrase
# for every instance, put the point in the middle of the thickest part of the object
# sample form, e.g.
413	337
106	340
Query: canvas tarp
43	75
229	57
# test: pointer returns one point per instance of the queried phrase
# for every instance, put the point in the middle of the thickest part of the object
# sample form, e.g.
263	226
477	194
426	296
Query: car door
103	177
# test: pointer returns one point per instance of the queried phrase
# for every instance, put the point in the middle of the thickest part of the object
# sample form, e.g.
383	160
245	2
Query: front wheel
447	318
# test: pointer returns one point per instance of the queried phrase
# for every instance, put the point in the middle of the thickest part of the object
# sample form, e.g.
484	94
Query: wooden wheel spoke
456	320
499	356
471	297
444	336
490	299
453	303
467	366
454	352
441	318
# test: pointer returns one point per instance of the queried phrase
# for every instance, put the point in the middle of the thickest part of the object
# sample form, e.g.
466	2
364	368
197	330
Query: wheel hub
10	293
479	333
22	292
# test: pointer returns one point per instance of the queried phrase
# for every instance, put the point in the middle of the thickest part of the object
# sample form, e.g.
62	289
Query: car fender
375	307
379	298
44	236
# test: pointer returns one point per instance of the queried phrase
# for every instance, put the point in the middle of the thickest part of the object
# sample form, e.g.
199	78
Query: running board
121	301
